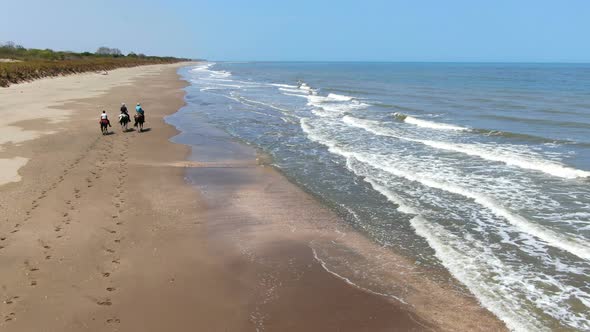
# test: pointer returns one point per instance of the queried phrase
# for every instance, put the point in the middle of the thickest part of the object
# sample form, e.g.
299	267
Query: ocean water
477	170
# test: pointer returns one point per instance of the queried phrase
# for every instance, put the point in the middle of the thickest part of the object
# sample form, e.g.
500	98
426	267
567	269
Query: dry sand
102	233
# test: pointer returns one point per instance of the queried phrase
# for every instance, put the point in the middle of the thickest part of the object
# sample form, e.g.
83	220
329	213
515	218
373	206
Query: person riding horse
104	122
124	117
139	116
124	110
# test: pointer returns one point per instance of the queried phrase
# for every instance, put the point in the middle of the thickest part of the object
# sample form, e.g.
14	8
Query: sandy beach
103	233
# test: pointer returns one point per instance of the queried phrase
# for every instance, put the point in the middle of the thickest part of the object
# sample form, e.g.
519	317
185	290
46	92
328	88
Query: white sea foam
496	284
267	105
295	95
219	74
350	282
464	265
293	90
338	97
333	105
569	243
284	86
484	151
304	86
428	124
510	158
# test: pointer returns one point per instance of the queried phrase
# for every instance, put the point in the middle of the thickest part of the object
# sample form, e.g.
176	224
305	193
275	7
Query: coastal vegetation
20	64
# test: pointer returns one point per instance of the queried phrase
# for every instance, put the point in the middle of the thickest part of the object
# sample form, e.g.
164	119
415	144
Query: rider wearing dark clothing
124	109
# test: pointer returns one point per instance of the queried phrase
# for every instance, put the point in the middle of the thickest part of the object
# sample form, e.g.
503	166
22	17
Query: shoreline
327	233
110	235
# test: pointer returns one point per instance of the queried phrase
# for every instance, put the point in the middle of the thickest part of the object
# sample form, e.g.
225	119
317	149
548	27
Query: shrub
15	72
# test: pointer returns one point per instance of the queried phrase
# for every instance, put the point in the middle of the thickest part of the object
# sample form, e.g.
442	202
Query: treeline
19	64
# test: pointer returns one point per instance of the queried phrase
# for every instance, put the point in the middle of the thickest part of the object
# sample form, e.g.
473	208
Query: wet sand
103	233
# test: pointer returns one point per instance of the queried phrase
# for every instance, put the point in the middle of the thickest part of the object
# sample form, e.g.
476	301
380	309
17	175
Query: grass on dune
30	64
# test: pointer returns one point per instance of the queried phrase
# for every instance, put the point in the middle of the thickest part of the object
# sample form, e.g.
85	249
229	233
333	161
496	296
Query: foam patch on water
338	97
428	124
488	152
577	246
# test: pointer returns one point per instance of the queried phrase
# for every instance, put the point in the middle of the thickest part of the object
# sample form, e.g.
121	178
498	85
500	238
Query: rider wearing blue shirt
138	109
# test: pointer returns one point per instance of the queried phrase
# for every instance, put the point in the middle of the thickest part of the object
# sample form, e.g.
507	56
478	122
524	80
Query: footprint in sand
104	302
11	299
9	317
113	320
111	289
106	274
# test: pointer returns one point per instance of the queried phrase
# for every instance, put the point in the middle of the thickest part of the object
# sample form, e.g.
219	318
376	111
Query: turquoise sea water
482	170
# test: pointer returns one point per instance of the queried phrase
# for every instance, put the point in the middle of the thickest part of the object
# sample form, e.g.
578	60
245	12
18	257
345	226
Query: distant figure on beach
139	117
104	122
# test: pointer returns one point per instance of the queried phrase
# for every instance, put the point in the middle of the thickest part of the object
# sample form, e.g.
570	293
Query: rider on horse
139	110
140	115
104	119
124	112
124	109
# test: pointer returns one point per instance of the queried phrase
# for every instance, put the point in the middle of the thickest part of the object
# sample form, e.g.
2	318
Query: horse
123	121
139	120
104	126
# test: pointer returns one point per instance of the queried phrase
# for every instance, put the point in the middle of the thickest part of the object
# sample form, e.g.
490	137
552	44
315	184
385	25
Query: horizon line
398	61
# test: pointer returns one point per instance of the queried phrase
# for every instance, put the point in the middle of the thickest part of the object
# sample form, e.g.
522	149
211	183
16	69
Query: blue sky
305	30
